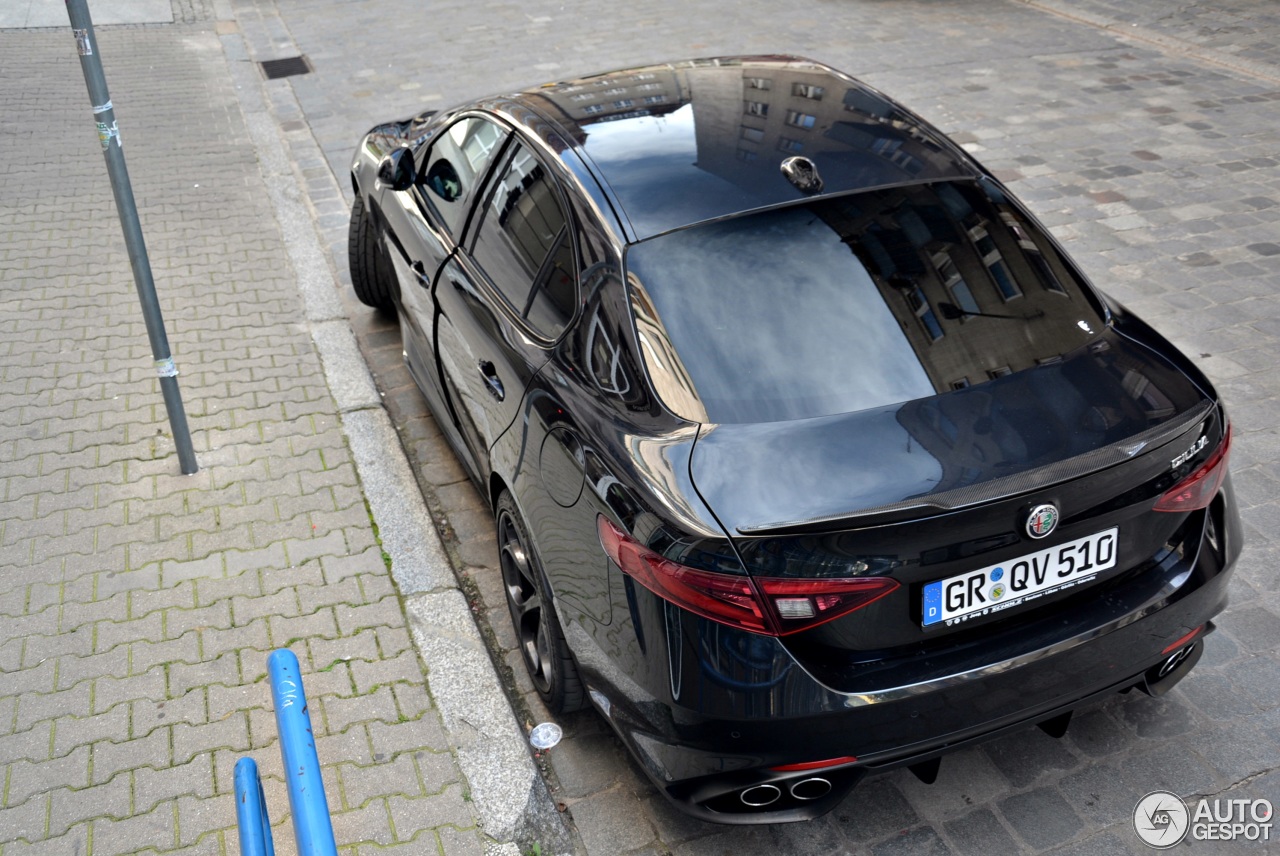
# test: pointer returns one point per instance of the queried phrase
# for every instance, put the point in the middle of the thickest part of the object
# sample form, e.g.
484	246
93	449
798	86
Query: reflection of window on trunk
764	84
994	262
755	108
885	147
960	383
755	135
956	286
920	306
1000	372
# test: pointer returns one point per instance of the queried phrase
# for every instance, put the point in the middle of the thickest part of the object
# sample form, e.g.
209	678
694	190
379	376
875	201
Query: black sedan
811	453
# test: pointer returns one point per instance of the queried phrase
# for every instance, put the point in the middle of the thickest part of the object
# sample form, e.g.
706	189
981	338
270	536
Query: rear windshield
845	304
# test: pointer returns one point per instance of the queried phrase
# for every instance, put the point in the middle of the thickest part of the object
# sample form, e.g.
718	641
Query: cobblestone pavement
1142	132
137	605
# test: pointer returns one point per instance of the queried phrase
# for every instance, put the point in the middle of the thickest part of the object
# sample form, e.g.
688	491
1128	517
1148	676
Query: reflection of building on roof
611	98
691	141
764	113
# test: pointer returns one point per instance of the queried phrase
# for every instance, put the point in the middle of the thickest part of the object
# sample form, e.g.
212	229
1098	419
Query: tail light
1173	646
804	766
1197	490
768	605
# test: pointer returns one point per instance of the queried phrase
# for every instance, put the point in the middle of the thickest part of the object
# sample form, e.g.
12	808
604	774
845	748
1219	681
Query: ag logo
1161	819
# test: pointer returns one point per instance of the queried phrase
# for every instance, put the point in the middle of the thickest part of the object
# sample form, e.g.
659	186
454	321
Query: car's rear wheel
538	634
371	274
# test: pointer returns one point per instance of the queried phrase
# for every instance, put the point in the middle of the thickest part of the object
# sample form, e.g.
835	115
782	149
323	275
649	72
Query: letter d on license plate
1020	580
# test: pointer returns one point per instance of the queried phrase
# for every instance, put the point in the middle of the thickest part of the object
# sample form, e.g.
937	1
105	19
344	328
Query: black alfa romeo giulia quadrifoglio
811	453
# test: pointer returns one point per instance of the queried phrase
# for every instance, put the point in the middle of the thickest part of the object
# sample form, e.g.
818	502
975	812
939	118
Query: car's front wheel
371	274
538	634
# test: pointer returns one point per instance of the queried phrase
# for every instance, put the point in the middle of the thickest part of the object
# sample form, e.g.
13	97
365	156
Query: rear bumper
703	763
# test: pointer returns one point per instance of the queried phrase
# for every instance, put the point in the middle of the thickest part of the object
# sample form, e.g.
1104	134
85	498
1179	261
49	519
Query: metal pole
312	826
252	821
109	136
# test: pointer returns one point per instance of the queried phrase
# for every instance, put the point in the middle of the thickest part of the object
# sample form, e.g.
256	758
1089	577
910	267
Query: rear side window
855	302
524	244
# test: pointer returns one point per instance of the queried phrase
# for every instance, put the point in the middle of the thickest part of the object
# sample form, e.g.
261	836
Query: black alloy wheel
538	634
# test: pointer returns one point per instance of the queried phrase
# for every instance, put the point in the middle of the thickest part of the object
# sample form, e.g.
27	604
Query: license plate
1021	580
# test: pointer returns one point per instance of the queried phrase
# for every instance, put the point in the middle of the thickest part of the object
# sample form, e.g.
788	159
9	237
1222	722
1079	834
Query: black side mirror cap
396	170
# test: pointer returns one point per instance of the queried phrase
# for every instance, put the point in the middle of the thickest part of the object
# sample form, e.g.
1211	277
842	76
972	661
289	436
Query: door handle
491	380
419	269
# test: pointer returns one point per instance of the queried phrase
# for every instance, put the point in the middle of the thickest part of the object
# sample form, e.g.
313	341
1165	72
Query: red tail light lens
1197	490
815	765
768	605
1173	646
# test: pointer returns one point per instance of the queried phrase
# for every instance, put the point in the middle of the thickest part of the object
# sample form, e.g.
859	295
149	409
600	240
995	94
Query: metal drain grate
285	67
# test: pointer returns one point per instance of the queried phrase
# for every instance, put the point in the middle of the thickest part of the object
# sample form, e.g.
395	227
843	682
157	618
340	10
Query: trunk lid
938	487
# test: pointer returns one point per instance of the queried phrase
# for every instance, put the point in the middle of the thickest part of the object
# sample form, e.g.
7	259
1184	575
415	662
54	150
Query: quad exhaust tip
760	796
804	790
1161	678
813	788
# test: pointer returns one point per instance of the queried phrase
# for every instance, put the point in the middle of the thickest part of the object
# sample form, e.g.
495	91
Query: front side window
525	247
455	165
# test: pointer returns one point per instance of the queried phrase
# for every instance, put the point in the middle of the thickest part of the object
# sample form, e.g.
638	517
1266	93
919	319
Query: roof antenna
801	172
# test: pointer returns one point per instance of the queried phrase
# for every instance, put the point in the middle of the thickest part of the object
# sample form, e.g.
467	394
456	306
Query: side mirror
396	170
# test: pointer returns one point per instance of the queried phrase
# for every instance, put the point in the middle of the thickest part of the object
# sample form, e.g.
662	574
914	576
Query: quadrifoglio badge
1163	820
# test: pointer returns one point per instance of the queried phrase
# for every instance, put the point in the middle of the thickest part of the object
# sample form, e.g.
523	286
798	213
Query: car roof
685	142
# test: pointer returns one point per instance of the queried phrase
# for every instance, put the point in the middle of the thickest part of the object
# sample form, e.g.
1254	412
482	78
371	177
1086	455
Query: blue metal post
251	811
311	824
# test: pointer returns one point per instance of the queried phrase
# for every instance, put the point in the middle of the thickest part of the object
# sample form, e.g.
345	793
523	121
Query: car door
426	223
507	298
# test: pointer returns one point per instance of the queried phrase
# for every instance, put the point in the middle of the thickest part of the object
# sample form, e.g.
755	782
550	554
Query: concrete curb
491	748
508	793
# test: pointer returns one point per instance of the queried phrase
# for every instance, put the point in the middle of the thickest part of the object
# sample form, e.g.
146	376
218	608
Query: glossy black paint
580	423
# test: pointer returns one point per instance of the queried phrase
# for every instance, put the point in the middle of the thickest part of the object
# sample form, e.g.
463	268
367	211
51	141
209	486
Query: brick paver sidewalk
137	606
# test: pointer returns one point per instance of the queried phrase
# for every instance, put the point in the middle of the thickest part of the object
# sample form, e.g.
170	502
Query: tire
538	634
371	274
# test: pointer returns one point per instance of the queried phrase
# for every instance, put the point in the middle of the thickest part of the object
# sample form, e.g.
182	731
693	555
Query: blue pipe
312	827
251	811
